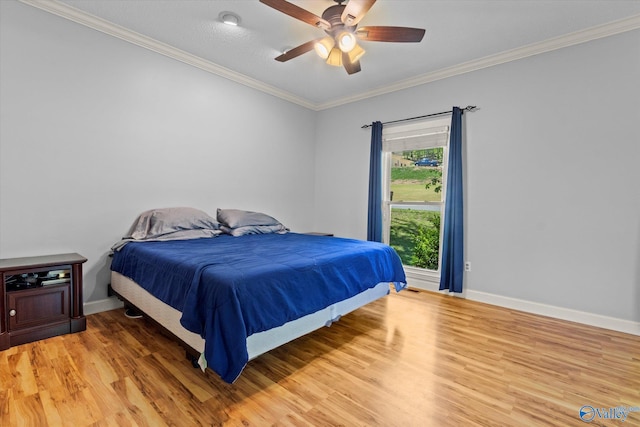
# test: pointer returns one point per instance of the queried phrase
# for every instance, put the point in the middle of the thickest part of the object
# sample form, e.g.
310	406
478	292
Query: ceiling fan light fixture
346	41
323	47
335	57
340	23
356	53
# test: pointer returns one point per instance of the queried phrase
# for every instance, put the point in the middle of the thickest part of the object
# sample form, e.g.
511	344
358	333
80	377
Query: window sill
422	279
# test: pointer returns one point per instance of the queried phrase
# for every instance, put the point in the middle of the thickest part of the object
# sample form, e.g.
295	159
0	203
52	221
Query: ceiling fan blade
351	67
355	10
298	13
297	51
390	34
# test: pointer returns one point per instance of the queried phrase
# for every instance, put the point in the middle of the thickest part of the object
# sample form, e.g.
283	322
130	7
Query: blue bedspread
228	288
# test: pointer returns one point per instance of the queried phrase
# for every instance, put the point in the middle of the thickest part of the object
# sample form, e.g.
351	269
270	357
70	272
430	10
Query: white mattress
257	343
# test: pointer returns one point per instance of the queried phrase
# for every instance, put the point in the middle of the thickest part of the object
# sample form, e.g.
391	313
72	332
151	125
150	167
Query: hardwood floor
411	359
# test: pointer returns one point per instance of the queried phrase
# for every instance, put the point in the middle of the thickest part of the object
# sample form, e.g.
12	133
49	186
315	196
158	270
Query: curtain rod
442	113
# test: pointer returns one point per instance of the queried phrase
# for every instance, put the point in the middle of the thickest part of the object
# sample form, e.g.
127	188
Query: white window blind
400	139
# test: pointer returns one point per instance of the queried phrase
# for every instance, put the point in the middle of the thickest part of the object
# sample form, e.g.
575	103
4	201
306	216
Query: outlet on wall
467	266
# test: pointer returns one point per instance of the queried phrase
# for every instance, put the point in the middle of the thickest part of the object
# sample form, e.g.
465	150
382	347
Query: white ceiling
461	35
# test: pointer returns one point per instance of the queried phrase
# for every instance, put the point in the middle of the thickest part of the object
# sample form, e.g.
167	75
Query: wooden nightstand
40	297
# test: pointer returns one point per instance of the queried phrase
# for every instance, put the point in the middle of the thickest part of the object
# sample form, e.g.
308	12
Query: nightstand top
40	261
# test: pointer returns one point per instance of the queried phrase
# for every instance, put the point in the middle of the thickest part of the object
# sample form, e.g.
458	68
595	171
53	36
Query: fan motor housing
333	15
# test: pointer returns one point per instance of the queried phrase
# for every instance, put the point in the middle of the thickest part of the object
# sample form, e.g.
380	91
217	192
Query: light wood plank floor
411	359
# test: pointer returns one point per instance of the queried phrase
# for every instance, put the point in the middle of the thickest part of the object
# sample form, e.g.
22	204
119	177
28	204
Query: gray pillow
159	222
234	218
239	222
254	229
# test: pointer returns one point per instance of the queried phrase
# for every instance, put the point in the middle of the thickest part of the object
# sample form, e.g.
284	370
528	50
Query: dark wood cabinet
41	297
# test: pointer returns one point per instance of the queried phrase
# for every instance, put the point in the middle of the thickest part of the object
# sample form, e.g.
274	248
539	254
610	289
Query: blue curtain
452	267
374	223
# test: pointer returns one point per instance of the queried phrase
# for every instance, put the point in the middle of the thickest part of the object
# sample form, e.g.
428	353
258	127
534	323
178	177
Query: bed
234	287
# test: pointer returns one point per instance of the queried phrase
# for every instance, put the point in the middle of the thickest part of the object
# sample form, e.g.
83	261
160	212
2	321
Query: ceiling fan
340	46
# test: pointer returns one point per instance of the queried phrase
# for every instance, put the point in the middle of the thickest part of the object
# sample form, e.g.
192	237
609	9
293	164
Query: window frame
404	137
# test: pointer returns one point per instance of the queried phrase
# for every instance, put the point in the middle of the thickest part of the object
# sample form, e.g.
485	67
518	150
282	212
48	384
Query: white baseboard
597	320
592	319
102	305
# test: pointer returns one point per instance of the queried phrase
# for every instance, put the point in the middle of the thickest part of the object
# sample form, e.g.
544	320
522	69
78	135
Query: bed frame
169	318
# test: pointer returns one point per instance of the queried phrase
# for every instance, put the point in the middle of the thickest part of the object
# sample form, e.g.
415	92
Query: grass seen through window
415	235
415	226
409	184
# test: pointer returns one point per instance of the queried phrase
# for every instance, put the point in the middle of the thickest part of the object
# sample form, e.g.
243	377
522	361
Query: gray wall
95	130
552	198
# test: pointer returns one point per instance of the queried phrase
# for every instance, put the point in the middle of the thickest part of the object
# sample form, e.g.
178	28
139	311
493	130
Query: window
414	181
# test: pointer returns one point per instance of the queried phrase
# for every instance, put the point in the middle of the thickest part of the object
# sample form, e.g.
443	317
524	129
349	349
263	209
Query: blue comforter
228	288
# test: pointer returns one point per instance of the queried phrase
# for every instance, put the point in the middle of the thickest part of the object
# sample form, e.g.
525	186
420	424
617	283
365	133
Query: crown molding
104	26
592	33
582	36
